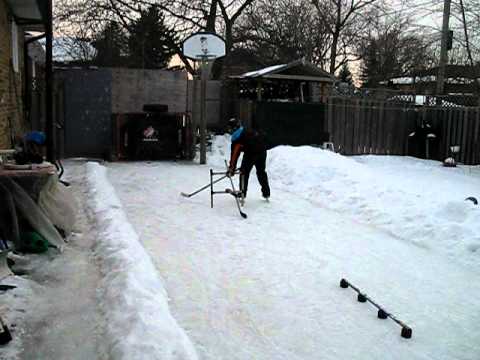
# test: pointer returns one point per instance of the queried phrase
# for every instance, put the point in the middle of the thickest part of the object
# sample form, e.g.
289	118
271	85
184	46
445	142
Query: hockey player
252	144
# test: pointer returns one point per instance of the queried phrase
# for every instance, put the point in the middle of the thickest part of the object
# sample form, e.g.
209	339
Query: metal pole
203	113
444	50
49	86
211	188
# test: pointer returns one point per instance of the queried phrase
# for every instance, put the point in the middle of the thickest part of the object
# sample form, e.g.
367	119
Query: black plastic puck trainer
406	332
382	314
361	298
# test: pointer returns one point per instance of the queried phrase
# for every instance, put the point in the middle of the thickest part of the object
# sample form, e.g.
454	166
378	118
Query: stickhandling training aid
382	314
227	191
209	185
222	175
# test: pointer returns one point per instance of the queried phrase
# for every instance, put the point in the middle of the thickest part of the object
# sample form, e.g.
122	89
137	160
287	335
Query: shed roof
296	70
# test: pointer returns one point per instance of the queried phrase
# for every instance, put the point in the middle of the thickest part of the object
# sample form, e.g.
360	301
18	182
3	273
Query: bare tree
343	19
217	16
464	22
185	16
466	14
282	32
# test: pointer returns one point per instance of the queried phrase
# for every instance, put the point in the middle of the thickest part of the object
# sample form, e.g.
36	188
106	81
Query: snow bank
132	296
15	310
415	200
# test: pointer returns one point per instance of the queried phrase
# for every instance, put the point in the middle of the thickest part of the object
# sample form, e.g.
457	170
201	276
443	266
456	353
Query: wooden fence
455	126
363	126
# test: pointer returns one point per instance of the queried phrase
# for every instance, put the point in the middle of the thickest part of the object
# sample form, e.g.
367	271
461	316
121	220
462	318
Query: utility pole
444	49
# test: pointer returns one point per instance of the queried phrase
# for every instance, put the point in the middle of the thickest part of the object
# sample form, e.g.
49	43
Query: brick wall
11	84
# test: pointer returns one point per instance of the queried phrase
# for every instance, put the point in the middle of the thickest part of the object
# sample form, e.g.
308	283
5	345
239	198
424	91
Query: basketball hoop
204	47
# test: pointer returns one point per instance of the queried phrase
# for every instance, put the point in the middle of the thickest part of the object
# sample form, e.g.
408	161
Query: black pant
248	162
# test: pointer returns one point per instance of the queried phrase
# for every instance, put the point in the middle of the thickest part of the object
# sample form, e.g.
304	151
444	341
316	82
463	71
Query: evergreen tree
110	46
370	66
151	42
345	75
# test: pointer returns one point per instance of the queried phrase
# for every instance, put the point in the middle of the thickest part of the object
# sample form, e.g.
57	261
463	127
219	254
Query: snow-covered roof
295	70
430	78
423	100
263	71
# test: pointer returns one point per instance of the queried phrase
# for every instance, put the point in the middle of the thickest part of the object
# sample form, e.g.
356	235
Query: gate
87	107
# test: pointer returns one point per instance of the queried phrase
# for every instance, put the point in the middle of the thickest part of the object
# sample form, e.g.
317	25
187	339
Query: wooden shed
298	81
287	101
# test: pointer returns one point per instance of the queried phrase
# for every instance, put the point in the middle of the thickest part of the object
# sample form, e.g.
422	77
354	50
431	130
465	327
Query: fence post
381	138
368	126
463	145
356	129
330	128
348	127
476	147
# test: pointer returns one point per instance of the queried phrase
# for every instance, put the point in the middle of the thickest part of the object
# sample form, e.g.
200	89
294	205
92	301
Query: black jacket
251	142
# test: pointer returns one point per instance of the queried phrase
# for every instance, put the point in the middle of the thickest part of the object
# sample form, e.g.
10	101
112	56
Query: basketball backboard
203	45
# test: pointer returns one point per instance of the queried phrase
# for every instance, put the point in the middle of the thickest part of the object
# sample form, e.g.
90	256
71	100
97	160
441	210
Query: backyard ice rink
268	287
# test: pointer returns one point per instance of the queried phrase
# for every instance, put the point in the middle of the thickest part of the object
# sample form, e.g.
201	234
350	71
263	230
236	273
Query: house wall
133	88
11	84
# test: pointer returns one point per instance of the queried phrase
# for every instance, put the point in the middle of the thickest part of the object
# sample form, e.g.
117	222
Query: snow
267	287
418	201
402	80
133	298
181	280
430	78
263	71
422	100
13	310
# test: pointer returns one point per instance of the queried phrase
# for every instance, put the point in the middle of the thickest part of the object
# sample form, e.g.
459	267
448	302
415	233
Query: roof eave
30	14
300	78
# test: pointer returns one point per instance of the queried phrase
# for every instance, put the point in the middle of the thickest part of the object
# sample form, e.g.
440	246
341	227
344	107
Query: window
15	47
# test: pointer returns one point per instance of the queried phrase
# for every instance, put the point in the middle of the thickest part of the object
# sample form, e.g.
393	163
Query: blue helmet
36	137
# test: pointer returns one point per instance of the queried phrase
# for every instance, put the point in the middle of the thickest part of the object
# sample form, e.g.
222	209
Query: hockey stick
236	199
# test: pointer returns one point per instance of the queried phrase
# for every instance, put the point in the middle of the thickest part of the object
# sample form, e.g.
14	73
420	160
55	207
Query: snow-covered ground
180	280
132	297
267	287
